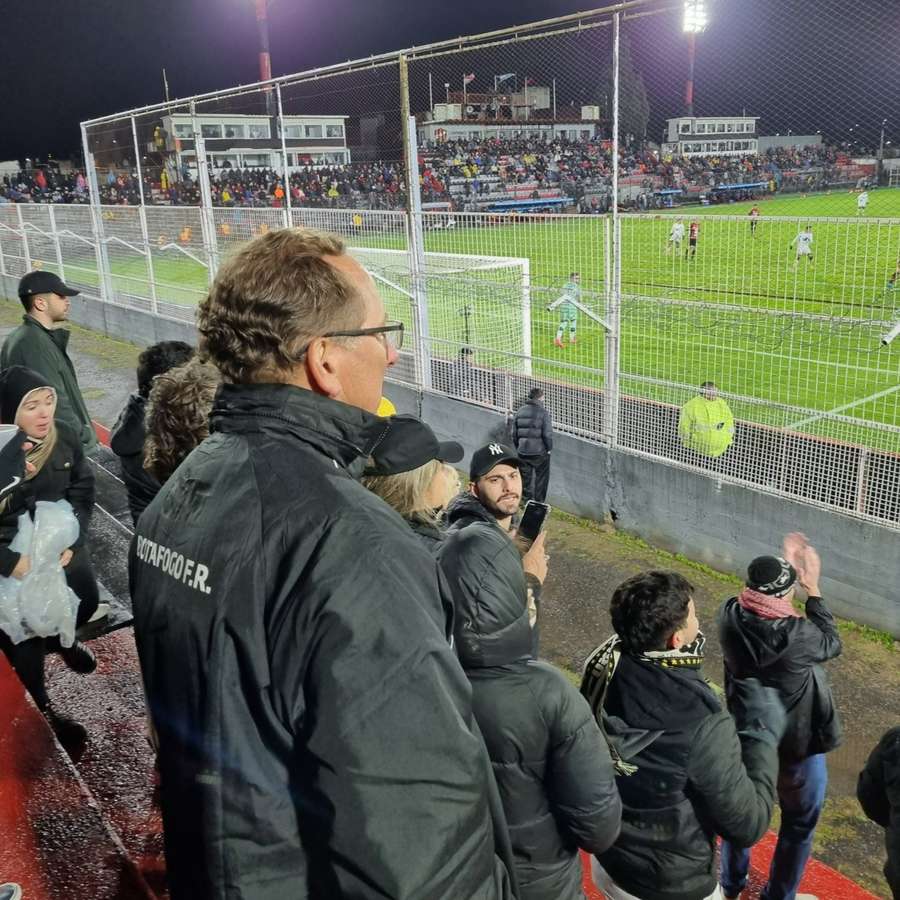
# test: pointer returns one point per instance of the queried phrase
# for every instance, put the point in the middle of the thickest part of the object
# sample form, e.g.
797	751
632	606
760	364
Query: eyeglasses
390	334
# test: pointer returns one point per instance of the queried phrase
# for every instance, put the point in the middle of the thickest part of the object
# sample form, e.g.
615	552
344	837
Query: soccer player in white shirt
804	245
862	201
676	236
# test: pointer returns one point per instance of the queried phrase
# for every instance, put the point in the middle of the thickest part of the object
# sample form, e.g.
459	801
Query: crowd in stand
340	649
464	174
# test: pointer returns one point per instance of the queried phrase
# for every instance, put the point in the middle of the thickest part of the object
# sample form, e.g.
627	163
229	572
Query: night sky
802	65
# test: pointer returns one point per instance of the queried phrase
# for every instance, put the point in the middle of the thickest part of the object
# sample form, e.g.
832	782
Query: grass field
779	338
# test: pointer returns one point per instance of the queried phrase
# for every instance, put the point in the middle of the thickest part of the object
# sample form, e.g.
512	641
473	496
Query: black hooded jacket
316	730
127	442
786	654
64	475
550	760
878	791
696	776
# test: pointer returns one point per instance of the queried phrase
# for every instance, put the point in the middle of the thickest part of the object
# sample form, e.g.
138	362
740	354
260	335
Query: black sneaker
79	658
71	734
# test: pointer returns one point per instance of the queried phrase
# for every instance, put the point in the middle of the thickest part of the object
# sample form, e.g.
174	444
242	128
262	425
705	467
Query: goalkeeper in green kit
568	311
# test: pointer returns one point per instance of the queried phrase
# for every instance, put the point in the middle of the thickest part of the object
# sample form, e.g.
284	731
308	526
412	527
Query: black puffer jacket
66	475
532	430
878	791
786	654
696	777
550	760
127	442
464	510
316	730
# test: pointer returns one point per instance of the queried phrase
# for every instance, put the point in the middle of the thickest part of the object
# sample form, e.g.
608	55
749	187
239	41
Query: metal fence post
59	257
861	480
207	219
288	218
102	257
415	234
610	422
2	258
527	348
25	249
142	214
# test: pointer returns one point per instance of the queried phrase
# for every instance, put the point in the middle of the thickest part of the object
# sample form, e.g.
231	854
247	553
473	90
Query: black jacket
878	791
550	760
502	569
787	654
532	429
315	727
45	351
127	442
430	536
697	777
66	475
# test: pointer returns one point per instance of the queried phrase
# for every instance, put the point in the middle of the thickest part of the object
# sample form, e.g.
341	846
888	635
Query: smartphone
533	519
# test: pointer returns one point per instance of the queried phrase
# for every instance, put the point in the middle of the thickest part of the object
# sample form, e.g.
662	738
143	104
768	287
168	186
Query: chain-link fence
689	237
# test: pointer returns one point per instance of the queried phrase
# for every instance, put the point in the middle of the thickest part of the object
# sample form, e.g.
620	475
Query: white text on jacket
176	566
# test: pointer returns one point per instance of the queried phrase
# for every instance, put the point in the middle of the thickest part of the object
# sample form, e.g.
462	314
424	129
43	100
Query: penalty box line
876	396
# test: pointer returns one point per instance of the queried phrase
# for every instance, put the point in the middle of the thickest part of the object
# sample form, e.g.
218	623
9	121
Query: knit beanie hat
772	575
16	383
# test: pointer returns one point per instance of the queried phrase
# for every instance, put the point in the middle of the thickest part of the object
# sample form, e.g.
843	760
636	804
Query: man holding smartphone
564	797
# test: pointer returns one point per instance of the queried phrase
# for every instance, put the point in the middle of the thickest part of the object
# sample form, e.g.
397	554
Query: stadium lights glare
890	335
696	17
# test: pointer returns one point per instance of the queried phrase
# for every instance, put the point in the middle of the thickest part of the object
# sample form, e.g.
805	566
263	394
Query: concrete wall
715	522
721	524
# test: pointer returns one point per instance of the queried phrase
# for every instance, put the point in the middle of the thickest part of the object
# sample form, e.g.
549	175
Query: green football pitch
787	340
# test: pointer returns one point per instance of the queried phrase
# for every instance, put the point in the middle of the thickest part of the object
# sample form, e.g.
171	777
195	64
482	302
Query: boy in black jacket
686	771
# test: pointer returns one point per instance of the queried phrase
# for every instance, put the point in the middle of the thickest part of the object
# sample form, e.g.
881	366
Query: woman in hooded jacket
57	470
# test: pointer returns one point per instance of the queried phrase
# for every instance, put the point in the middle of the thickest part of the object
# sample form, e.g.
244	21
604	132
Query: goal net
479	302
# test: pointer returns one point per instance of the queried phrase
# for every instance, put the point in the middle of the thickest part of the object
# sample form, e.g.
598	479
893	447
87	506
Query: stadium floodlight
696	17
890	335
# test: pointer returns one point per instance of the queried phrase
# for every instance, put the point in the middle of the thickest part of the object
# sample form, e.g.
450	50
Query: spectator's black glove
757	709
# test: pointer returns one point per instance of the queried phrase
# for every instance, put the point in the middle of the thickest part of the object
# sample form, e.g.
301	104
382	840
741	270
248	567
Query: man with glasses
316	736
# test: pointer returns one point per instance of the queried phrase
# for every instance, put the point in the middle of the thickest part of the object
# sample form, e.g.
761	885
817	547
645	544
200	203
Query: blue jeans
801	794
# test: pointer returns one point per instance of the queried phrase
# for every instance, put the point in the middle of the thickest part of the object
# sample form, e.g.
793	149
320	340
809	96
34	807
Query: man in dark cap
39	343
763	636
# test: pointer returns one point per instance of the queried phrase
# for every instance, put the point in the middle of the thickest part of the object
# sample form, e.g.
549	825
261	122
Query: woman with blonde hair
57	470
410	470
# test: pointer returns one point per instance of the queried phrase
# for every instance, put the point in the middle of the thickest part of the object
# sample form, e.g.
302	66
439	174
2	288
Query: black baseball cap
485	458
44	283
408	444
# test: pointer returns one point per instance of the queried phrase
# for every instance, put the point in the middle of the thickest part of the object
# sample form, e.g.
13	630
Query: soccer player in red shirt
693	234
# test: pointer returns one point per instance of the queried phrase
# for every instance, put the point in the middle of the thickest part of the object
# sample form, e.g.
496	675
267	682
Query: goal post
479	302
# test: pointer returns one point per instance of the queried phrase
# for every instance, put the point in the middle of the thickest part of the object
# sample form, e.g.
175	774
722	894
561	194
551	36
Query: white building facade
712	136
248	142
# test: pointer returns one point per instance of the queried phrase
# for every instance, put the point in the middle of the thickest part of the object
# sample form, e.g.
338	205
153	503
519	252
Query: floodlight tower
695	21
265	60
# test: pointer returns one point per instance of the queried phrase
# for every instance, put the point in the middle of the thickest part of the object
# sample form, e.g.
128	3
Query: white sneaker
100	613
805	897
